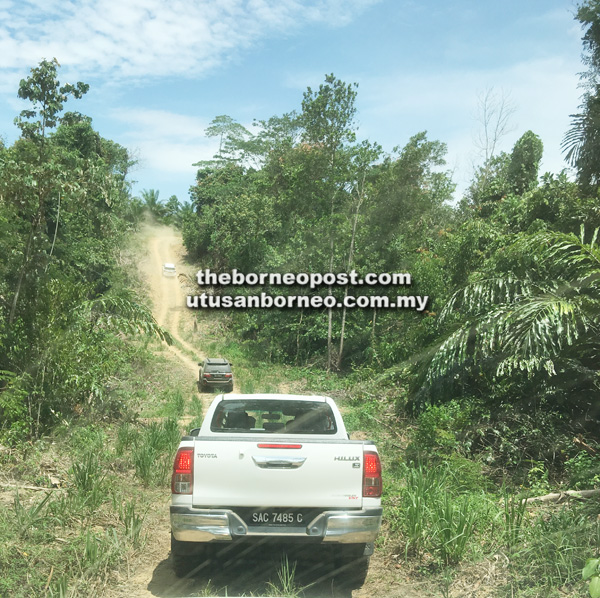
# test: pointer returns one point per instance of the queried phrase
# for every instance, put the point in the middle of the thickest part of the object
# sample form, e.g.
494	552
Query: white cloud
543	91
152	38
165	141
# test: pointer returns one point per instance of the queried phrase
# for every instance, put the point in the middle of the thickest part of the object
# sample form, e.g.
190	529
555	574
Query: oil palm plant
539	316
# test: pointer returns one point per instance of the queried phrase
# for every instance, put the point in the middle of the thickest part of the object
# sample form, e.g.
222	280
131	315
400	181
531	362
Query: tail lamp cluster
182	480
183	471
372	475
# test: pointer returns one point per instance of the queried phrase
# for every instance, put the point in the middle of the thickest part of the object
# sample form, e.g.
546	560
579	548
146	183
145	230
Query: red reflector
280	446
183	461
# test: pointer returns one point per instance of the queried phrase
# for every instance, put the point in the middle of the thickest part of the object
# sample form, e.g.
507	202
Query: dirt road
168	293
230	575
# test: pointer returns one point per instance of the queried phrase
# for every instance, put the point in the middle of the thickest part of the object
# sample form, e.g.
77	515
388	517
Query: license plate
277	517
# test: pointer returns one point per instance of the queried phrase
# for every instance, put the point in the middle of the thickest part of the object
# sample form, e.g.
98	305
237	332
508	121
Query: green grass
68	541
443	509
286	585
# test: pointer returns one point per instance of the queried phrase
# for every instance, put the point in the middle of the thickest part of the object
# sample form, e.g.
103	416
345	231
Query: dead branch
559	497
18	487
590	450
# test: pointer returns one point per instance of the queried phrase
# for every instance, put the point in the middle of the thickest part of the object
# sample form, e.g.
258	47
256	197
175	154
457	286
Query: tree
47	96
153	203
581	143
504	173
328	121
494	114
328	114
64	201
231	136
409	186
522	171
365	155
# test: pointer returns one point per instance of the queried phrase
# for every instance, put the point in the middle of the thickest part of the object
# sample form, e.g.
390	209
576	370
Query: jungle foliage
491	394
64	209
511	271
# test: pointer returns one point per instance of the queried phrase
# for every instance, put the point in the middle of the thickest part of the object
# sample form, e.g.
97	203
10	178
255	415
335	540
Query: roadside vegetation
488	398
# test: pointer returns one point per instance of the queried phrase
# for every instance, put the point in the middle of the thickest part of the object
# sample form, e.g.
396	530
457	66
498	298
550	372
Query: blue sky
161	70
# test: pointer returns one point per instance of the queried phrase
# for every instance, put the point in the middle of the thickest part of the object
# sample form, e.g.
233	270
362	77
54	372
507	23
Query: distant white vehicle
169	270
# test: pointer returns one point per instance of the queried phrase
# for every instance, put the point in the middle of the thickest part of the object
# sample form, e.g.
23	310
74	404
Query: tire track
168	298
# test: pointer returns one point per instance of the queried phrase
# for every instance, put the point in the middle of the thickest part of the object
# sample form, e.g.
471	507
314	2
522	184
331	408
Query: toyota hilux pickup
280	469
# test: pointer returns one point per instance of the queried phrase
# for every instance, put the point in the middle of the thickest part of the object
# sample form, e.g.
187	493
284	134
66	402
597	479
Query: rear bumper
209	525
217	383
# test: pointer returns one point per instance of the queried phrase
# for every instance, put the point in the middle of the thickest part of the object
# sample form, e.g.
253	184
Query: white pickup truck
275	467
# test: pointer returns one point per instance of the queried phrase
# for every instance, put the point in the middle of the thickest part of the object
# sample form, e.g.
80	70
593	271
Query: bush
583	471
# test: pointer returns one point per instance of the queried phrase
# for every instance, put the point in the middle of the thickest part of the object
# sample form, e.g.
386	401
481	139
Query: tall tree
582	142
47	97
364	157
151	199
494	113
328	121
524	163
63	203
231	136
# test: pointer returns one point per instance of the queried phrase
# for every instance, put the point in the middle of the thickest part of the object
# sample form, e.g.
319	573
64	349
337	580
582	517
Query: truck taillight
183	474
372	475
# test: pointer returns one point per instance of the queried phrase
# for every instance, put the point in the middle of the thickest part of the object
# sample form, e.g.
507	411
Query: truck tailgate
287	473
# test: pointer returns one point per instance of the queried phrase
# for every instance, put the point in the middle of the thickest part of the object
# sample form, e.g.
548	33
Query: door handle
280	463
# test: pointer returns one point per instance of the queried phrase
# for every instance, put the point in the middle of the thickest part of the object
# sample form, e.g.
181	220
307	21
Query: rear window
217	368
277	417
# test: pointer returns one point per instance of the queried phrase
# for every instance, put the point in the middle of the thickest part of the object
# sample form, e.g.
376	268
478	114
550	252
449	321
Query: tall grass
452	524
423	486
514	509
430	517
153	451
285	586
30	519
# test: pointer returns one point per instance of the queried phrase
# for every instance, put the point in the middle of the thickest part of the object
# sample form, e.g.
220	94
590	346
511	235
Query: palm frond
538	330
562	252
528	336
477	297
121	313
575	138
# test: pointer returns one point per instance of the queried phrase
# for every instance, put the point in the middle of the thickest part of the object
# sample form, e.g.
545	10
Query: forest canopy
510	272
